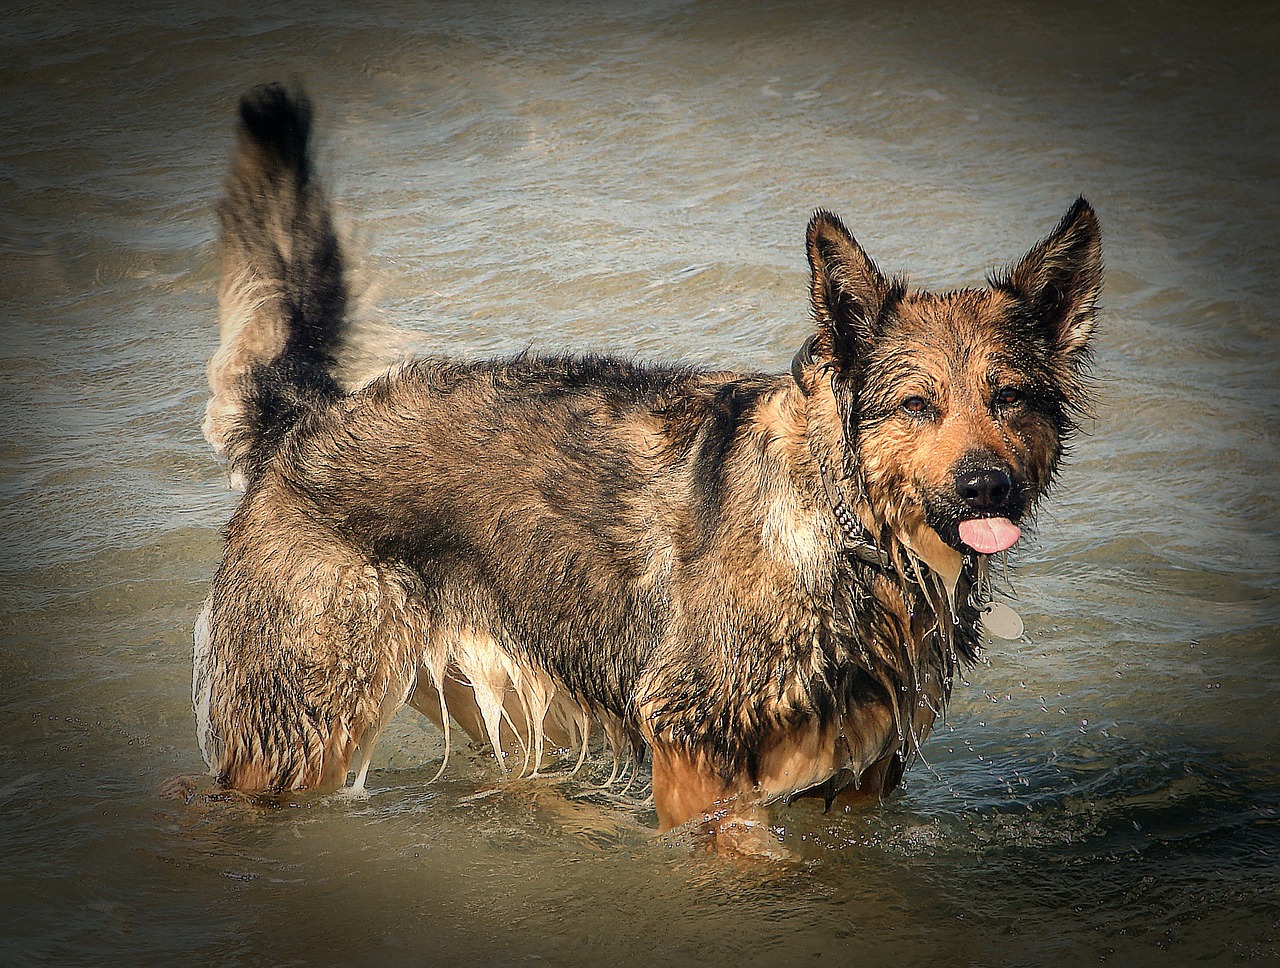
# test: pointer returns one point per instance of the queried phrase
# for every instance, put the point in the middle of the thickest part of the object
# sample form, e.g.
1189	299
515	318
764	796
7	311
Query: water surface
635	178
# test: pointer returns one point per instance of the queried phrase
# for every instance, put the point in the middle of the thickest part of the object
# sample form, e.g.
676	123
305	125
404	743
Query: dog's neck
855	535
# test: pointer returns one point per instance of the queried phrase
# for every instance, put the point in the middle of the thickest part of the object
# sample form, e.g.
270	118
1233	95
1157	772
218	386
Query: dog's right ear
847	291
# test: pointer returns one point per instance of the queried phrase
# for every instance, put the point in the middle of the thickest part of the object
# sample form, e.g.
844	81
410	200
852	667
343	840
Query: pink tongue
989	535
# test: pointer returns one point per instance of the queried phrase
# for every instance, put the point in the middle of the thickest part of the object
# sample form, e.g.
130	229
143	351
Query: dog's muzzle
989	506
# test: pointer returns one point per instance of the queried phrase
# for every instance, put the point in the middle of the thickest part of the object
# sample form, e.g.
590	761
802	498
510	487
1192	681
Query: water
636	177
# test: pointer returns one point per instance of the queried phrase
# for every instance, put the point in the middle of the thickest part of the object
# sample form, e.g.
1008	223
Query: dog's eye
915	404
1008	396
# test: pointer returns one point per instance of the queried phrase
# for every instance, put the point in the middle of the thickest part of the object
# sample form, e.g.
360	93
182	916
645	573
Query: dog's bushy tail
282	298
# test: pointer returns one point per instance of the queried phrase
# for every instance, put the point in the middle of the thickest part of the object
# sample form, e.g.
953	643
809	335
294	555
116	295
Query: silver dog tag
999	620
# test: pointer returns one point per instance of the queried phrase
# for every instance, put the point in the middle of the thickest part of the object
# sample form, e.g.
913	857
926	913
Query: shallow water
636	177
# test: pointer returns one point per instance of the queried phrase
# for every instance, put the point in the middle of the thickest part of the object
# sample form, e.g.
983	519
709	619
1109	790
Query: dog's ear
847	290
1060	278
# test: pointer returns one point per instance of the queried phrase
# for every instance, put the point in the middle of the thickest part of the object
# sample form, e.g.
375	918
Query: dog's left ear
1060	278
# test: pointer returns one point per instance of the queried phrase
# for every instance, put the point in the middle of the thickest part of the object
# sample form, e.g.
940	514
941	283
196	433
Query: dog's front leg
685	786
688	790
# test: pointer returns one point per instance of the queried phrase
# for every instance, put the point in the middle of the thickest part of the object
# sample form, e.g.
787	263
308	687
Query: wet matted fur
766	582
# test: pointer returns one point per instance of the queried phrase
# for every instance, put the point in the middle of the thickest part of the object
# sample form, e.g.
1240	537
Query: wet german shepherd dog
766	582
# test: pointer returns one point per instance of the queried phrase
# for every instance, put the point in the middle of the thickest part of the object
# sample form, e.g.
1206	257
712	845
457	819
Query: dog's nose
984	490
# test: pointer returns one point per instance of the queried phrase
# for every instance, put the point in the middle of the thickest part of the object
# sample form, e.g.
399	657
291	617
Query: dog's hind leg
303	652
396	617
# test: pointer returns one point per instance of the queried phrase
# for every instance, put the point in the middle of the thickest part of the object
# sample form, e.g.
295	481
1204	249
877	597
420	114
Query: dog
766	583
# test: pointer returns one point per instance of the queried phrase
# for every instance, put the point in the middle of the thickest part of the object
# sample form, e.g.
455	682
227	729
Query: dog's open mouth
987	536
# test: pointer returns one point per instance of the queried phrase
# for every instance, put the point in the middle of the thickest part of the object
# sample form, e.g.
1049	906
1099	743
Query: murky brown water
636	178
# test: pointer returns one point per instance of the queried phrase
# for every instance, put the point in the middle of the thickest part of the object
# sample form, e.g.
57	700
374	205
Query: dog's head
954	407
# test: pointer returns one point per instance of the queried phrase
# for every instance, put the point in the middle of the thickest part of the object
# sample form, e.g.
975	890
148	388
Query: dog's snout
984	490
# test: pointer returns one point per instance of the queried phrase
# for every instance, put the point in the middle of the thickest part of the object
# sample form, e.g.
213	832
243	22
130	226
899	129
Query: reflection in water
636	178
